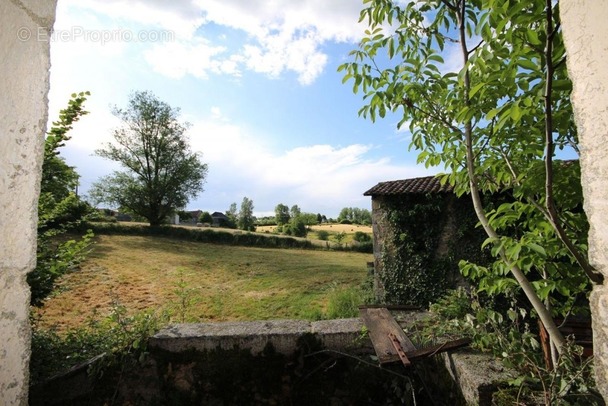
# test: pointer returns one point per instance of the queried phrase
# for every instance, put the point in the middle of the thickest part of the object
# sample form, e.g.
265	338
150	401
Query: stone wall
24	66
586	39
276	362
456	238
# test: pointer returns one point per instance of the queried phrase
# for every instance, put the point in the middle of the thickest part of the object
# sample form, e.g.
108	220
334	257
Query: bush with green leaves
205	217
121	337
323	235
60	209
298	227
360	236
502	326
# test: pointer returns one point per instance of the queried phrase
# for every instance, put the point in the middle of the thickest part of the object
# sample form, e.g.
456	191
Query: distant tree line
355	215
289	220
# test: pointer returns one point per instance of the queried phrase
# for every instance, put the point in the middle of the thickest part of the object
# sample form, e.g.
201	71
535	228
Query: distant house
421	231
219	219
191	217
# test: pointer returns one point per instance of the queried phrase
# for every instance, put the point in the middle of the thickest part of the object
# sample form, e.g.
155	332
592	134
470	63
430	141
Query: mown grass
201	282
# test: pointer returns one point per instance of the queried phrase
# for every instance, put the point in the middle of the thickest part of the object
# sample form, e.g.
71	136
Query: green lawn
202	282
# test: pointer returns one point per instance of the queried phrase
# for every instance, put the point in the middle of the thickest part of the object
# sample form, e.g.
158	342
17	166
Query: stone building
421	231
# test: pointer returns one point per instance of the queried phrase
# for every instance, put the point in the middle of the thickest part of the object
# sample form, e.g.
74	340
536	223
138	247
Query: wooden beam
380	324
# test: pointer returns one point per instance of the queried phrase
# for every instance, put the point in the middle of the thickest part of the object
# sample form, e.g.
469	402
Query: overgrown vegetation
414	271
494	123
120	337
504	327
60	209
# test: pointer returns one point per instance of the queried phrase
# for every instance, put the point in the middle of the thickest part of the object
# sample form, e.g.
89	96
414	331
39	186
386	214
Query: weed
121	337
344	302
186	297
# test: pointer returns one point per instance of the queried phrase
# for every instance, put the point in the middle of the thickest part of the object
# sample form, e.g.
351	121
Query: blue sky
258	82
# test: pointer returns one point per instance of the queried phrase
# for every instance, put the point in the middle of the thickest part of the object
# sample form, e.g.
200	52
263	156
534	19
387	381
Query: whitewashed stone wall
585	28
24	84
24	64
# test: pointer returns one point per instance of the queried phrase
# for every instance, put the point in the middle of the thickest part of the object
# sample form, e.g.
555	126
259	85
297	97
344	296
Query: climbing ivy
414	271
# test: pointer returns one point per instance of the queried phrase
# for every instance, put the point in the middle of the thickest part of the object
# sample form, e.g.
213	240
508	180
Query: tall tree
295	211
160	172
232	213
246	220
281	214
494	123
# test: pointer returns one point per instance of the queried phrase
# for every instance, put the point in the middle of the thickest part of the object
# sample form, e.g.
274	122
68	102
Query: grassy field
348	229
201	282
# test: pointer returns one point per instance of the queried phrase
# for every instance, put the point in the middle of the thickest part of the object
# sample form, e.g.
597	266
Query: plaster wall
24	84
586	38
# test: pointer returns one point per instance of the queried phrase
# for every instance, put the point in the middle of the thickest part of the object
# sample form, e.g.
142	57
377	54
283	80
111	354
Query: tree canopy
355	215
160	173
281	214
246	221
493	118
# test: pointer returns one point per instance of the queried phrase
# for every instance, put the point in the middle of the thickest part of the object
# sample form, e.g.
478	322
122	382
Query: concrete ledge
339	334
283	335
477	375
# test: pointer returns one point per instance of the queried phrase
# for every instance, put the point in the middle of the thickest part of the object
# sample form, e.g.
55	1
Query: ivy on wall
415	270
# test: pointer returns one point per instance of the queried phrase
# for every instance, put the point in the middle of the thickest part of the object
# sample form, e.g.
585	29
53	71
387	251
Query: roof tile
427	184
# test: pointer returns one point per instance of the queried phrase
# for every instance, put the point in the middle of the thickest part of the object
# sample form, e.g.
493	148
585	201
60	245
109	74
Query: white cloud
280	35
170	59
182	17
316	177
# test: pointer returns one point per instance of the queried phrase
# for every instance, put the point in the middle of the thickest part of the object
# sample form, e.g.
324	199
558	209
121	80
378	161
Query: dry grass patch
332	228
200	282
343	228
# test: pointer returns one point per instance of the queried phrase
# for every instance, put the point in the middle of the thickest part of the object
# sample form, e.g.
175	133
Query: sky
258	82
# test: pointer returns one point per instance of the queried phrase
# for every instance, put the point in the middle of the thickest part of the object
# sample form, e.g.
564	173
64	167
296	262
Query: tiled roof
427	184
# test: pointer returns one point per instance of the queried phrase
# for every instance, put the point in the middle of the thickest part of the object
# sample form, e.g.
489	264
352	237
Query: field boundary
222	236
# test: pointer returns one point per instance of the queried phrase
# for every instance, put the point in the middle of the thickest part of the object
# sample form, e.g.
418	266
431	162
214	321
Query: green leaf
536	248
562	85
492	113
527	64
475	89
515	112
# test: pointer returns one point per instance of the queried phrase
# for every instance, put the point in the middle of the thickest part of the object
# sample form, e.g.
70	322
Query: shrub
298	227
205	217
346	221
123	338
360	236
366	247
54	259
323	235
